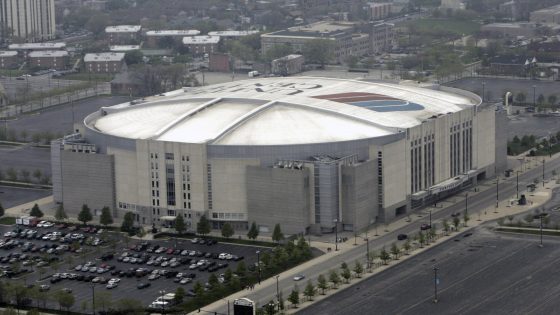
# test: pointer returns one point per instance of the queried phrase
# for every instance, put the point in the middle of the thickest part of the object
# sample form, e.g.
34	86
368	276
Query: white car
193	266
114	280
40	224
48	224
299	277
222	256
112	285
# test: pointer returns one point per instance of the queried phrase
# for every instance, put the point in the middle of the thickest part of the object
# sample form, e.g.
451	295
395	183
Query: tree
227	230
277	51
103	300
180	226
198	289
203	226
1	210
277	235
334	278
36	212
407	247
37	174
318	51
358	269
127	224
106	217
552	99
346	274
421	239
384	256
241	270
294	297
456	222
253	231
130	307
25	175
11	174
540	99
309	290
97	23
466	218
60	214
520	97
133	57
322	283
64	299
395	251
445	226
85	215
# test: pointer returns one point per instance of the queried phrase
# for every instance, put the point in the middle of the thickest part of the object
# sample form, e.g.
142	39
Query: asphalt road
486	273
25	157
483	199
527	124
33	84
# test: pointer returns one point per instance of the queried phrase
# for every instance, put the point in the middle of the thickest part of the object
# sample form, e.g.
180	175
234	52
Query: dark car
107	256
425	226
401	237
143	285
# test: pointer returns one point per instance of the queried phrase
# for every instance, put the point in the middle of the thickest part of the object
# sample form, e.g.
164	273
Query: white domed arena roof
276	111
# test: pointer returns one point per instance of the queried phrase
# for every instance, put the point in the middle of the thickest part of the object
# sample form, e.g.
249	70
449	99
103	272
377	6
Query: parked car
401	237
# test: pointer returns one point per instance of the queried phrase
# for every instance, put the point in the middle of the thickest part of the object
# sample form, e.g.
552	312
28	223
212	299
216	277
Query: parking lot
153	264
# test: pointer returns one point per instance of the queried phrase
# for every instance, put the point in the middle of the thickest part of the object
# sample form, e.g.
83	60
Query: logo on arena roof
372	101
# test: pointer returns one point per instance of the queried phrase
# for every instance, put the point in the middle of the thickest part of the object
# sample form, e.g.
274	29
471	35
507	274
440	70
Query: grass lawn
100	77
7	220
439	26
12	72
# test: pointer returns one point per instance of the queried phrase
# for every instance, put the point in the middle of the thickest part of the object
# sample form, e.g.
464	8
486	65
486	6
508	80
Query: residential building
48	59
510	29
227	35
203	44
29	20
123	48
550	15
378	10
8	59
26	48
155	38
109	62
123	34
382	37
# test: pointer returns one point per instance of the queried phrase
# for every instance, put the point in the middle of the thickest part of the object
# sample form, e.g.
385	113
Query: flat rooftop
107	56
173	33
8	53
119	48
319	29
37	46
232	33
123	29
48	53
203	39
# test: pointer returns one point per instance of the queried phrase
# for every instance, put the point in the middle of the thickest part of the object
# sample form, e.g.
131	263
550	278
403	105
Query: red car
170	251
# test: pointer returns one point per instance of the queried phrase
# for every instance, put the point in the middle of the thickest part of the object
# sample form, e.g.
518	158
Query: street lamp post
517	183
259	266
483	87
93	297
430	212
543	172
534	96
541	216
466	203
367	253
336	234
435	284
278	292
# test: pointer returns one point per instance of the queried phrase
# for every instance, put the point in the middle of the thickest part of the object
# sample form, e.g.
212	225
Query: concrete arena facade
308	153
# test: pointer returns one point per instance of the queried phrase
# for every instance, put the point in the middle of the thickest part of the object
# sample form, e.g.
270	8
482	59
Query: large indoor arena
308	153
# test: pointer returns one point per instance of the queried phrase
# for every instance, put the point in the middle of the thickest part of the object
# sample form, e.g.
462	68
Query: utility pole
517	182
259	265
277	293
541	216
543	172
93	297
466	203
367	253
336	234
430	212
435	284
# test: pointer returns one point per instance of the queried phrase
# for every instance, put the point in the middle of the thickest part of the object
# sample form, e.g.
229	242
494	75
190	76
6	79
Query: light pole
93	297
430	212
435	284
466	203
367	253
162	292
541	217
278	292
534	96
336	234
517	183
483	87
259	266
497	188
543	172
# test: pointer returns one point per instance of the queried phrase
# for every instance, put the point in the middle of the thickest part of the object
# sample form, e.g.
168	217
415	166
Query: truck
163	301
253	74
27	221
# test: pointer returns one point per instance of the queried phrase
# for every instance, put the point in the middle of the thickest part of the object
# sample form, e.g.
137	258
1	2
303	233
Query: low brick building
123	34
155	38
199	45
219	62
48	59
8	59
110	62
